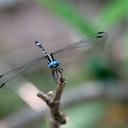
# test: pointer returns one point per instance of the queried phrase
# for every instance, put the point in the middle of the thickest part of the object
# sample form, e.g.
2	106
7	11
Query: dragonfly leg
60	70
57	74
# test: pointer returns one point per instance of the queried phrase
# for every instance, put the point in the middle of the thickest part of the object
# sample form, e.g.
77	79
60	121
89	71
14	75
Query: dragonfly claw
57	74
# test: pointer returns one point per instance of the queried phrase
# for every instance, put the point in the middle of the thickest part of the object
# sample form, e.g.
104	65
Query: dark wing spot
2	85
99	36
1	76
100	32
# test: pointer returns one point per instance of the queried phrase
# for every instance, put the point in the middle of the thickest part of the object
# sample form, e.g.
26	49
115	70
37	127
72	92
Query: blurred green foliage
7	103
99	68
113	13
85	115
68	13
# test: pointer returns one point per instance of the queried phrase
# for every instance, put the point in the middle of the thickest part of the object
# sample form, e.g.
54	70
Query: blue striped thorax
53	64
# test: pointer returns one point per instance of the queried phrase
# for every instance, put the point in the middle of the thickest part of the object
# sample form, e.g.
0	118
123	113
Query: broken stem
52	99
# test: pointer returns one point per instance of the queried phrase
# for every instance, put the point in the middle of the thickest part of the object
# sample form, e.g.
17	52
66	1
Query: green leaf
61	9
112	13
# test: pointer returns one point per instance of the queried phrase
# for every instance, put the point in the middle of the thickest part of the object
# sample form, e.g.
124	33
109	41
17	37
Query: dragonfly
53	64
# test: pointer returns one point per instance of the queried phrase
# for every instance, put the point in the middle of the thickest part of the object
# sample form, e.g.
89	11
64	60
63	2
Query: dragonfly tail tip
38	44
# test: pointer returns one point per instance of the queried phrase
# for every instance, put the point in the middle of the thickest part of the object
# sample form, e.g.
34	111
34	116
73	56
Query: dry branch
52	99
96	90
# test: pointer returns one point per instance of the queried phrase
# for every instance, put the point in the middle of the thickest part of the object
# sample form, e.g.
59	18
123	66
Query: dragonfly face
53	64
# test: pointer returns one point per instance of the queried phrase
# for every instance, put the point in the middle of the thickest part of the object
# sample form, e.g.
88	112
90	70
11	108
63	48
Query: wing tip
101	34
1	76
2	85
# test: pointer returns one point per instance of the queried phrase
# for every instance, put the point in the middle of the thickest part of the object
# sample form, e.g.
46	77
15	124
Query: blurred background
96	92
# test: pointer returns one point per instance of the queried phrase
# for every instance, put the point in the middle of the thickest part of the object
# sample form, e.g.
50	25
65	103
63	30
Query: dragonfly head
53	64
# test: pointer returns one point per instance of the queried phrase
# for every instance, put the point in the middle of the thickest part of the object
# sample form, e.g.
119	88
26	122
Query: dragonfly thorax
53	64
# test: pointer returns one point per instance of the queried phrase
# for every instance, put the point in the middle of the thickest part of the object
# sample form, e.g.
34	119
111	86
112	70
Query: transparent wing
19	70
88	44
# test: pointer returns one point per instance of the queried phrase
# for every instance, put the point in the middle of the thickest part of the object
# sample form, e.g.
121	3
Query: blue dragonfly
89	44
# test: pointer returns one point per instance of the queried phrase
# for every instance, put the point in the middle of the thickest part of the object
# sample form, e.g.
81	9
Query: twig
52	99
91	91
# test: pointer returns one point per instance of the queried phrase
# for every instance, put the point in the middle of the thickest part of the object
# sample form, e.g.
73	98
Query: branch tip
52	99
